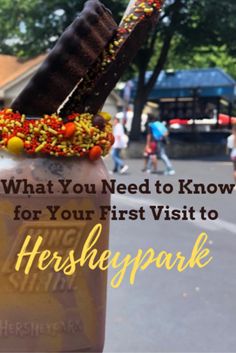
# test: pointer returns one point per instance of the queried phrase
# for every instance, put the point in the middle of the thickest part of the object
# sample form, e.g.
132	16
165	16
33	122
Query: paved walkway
193	311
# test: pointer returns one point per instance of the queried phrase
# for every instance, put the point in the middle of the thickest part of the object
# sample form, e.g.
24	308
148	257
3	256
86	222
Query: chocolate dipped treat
92	92
72	57
51	188
48	310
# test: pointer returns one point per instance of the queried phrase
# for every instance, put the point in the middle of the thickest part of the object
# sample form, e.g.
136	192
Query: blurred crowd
157	138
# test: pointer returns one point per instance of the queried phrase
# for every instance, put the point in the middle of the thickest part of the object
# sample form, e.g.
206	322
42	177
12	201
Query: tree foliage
187	28
203	57
191	33
30	27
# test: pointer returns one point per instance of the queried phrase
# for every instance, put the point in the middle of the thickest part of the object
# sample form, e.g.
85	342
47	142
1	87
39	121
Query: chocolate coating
68	62
91	94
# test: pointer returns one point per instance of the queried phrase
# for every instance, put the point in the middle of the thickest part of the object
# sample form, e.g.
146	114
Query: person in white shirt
231	146
120	143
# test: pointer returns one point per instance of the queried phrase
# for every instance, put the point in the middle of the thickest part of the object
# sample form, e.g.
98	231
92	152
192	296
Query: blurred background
185	73
186	70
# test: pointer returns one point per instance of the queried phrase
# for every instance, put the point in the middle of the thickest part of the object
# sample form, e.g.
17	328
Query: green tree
203	57
30	27
186	28
190	33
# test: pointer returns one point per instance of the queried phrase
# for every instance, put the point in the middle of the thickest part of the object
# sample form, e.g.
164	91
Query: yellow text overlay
44	259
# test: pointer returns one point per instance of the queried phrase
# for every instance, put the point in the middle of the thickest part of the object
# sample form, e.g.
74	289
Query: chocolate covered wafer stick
69	61
92	92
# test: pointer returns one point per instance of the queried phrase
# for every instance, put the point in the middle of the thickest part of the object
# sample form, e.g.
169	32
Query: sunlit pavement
168	311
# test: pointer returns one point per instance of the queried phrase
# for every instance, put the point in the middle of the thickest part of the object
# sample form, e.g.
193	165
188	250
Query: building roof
12	68
211	82
195	78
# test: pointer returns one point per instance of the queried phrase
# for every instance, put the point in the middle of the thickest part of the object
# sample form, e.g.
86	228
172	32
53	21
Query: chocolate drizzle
88	60
92	92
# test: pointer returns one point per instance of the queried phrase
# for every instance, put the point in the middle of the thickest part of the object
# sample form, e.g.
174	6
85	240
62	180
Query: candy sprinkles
138	12
93	90
82	135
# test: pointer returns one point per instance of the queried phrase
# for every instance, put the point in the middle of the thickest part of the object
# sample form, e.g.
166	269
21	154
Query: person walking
150	158
159	133
119	145
150	151
231	146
